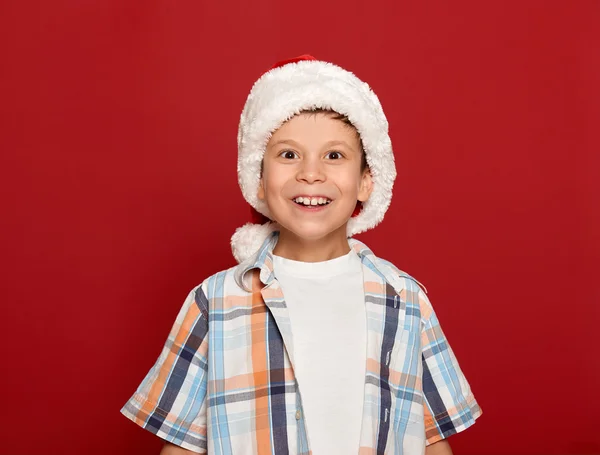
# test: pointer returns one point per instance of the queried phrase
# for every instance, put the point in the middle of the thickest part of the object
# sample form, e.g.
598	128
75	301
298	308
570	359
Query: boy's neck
291	246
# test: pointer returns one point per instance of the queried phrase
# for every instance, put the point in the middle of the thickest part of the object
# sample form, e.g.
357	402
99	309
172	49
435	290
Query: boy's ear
261	190
366	186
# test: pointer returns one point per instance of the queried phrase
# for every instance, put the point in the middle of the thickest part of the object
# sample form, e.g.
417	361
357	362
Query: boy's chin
311	232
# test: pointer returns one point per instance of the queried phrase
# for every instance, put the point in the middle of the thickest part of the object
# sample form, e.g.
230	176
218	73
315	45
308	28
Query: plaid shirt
224	382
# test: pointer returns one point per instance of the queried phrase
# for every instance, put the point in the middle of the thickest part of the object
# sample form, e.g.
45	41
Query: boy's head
311	129
314	174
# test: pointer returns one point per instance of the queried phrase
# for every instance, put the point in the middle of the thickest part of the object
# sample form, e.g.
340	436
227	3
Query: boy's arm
171	400
172	449
439	448
449	404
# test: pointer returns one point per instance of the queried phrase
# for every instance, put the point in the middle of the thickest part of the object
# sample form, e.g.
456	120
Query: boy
312	344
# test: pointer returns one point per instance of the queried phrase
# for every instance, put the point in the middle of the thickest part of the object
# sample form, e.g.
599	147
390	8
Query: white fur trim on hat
284	92
248	239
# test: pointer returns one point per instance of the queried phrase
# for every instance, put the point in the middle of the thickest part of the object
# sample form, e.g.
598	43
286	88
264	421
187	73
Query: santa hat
297	85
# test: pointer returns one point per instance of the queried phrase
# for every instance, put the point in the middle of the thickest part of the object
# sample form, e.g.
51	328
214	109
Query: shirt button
298	414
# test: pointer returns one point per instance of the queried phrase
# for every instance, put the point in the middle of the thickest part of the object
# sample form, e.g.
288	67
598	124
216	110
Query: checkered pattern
224	382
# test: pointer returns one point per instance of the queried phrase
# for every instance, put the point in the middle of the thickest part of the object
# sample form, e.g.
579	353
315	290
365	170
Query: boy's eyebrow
332	143
288	142
297	145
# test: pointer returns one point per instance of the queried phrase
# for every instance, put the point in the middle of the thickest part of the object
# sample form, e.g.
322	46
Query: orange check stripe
259	366
165	370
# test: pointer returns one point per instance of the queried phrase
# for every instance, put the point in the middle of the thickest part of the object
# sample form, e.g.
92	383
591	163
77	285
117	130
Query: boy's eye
288	154
334	155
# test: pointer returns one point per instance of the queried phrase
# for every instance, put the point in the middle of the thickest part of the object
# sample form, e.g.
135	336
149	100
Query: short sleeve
171	400
449	406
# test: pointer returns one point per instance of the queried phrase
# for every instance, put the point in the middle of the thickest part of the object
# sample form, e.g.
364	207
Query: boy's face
317	158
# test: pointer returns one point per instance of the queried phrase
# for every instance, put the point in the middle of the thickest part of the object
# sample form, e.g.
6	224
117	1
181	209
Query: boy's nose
311	172
311	176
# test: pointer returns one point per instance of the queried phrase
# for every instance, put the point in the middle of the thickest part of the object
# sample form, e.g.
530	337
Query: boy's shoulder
400	273
219	281
236	281
408	288
398	278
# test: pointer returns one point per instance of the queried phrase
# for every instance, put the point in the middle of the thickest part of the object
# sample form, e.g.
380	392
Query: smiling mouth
312	201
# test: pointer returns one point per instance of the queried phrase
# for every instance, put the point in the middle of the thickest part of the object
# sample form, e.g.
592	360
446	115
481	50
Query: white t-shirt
327	314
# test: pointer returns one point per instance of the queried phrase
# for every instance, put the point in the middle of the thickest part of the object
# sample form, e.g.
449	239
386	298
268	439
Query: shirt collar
262	260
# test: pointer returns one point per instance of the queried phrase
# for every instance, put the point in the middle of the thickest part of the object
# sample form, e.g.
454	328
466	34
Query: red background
119	194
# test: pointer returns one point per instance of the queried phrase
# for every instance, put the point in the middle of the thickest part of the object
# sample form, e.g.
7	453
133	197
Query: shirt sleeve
171	400
449	404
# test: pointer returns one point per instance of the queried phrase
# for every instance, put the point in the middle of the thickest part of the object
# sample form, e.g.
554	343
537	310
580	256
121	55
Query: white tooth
299	200
314	201
321	200
306	201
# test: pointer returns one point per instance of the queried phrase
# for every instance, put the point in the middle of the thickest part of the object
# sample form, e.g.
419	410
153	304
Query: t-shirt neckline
331	267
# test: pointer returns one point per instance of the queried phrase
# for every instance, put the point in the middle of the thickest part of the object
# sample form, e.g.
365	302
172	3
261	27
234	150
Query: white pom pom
248	239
